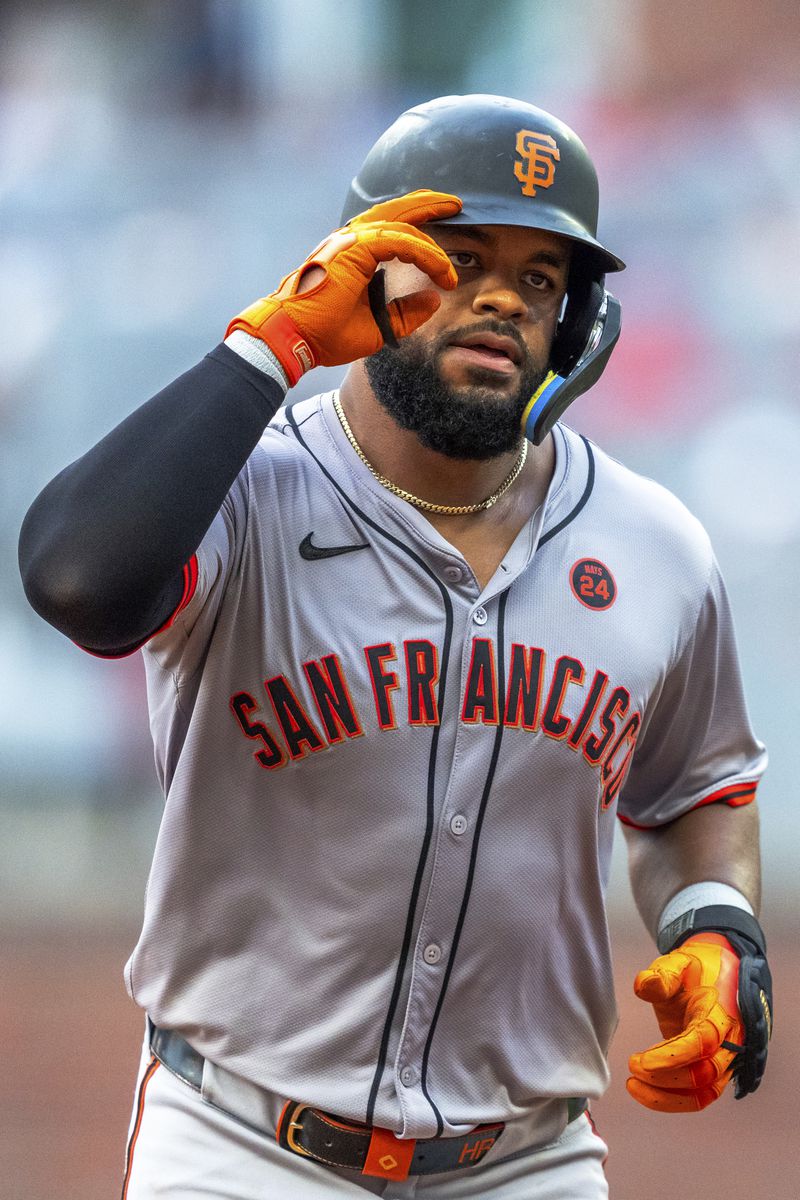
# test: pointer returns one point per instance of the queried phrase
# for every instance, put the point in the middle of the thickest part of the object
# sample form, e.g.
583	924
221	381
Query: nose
495	297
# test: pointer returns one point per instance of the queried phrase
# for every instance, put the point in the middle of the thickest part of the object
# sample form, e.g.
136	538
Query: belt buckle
291	1124
377	1151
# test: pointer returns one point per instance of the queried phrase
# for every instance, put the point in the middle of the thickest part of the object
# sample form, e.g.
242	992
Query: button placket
444	899
445	888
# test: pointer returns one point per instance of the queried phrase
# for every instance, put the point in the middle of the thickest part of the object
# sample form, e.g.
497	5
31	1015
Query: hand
330	322
694	991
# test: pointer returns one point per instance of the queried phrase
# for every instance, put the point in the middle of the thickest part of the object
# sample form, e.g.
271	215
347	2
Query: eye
535	279
461	259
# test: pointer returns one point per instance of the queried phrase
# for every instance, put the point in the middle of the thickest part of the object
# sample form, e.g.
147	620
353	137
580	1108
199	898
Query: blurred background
161	165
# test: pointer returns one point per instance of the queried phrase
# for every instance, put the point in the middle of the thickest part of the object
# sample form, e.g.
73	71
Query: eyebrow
476	234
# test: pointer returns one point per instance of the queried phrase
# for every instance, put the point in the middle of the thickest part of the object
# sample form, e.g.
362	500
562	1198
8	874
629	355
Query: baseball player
412	647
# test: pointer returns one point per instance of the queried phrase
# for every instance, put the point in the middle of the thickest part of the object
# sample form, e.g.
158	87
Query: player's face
462	380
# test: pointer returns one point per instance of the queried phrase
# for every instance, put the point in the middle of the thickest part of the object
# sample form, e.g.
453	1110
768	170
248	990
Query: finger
697	1075
407	313
663	979
346	239
415	248
661	1100
382	228
378	243
414	207
700	1040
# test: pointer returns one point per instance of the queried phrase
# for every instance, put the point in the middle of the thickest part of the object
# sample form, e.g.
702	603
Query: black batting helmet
509	162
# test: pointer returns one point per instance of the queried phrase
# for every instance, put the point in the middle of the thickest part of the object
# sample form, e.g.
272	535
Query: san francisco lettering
561	700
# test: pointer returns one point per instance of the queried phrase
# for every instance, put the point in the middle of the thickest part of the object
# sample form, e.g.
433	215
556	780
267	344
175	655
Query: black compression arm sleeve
103	546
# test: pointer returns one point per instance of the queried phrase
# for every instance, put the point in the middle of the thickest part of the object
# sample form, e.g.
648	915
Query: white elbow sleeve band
258	354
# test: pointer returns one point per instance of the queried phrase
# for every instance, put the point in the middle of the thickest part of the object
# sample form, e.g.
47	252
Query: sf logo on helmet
539	154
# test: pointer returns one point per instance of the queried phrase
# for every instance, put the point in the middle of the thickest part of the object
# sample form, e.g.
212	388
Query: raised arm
104	548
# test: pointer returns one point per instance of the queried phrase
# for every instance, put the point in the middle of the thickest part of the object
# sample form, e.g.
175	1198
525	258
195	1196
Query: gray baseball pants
183	1148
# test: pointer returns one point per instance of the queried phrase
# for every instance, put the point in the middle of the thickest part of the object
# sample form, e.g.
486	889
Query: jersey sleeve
179	646
697	745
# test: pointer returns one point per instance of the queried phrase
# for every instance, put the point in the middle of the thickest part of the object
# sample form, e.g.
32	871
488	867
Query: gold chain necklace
450	509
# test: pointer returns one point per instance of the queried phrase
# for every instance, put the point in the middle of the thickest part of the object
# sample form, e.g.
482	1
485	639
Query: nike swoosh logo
309	551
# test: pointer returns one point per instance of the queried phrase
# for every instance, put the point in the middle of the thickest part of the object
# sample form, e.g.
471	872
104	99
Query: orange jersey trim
153	1065
735	795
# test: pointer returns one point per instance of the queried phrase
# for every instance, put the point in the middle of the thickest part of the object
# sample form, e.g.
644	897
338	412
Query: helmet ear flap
586	335
585	292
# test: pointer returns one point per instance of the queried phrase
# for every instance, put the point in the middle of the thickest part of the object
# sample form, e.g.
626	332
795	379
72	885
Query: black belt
312	1133
337	1142
177	1055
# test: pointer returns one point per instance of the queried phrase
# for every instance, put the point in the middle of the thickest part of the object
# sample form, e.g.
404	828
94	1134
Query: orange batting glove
332	322
694	993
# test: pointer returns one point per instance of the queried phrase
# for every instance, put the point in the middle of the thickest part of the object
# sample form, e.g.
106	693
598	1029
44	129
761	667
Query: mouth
487	350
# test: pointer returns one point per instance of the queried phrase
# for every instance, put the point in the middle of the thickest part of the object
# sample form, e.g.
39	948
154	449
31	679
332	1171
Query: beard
468	422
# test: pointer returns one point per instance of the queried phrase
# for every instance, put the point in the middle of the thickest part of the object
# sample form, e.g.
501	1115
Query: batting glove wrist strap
717	918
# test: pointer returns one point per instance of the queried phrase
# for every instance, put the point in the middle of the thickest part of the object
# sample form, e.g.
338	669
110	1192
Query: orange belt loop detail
388	1157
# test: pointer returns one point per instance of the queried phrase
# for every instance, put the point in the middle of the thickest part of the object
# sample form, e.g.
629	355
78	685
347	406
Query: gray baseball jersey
379	881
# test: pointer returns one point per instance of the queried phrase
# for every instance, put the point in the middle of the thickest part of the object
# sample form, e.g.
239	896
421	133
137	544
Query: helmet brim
484	210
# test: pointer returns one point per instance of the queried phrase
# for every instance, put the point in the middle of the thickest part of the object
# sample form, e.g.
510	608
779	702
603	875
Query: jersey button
432	953
458	824
408	1076
453	574
479	616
